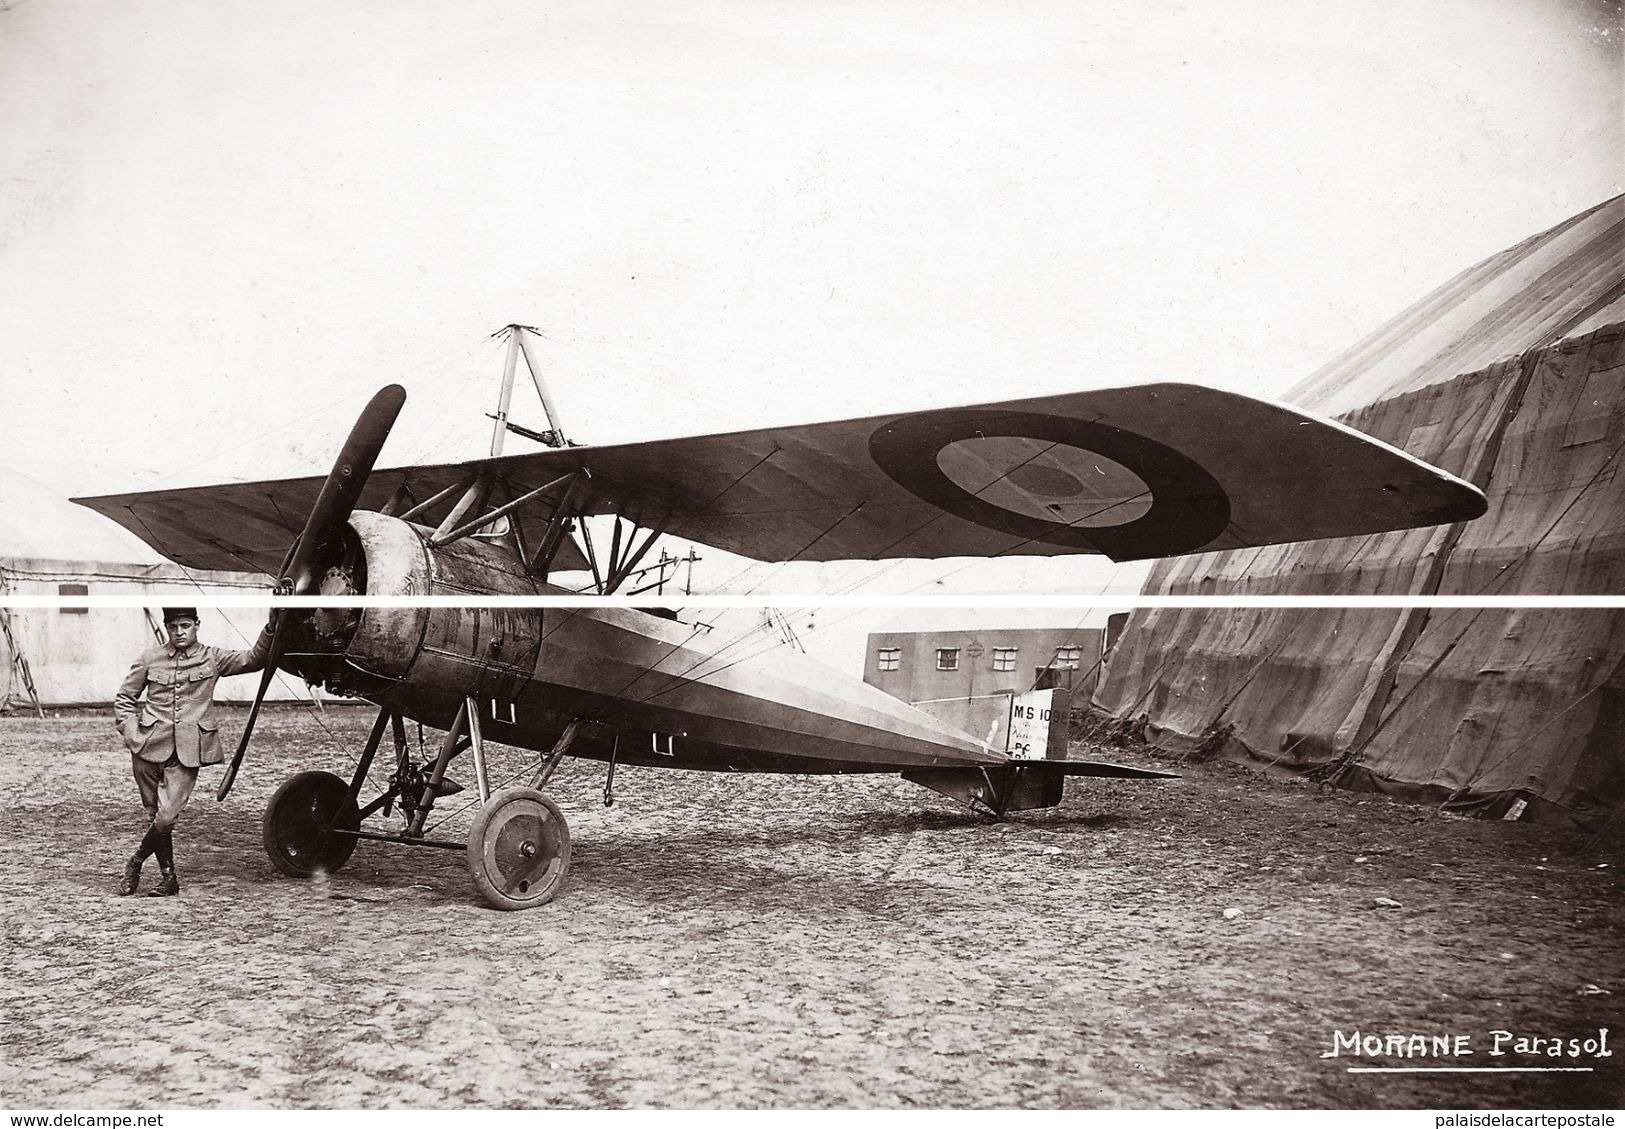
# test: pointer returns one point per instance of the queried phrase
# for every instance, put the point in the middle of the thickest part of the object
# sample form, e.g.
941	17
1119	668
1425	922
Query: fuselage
647	689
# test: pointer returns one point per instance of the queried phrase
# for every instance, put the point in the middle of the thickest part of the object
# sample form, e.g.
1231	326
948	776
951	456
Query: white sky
224	224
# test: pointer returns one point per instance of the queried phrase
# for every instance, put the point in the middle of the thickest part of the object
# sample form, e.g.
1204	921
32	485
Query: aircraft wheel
298	826
519	849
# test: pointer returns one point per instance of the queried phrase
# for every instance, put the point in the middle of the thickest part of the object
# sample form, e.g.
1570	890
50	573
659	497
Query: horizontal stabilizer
1096	768
1021	785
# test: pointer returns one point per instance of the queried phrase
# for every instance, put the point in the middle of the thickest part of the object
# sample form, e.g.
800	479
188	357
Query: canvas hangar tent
1512	375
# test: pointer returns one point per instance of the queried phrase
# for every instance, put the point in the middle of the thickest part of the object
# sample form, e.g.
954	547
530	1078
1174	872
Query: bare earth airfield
729	940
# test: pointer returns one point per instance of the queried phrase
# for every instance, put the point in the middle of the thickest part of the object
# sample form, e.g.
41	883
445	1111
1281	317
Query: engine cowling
446	651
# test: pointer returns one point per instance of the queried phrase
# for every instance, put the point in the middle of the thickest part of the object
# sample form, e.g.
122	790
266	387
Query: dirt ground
760	941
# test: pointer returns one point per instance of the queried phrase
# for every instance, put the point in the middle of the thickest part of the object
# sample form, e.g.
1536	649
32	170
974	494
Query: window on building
1068	658
947	658
889	658
73	590
1004	658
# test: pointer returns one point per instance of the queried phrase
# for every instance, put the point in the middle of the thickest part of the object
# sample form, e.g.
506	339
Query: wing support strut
623	558
430	502
476	494
558	525
501	511
473	500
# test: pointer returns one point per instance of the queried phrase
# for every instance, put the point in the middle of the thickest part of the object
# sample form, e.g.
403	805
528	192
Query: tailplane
1020	785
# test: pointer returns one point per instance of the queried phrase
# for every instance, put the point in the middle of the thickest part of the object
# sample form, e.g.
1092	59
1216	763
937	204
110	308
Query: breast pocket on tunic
147	724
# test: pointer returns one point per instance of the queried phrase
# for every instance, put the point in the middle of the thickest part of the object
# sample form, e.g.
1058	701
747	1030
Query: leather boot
150	842
132	875
168	885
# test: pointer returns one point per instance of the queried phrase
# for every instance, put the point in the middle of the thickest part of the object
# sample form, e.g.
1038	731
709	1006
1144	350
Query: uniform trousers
165	787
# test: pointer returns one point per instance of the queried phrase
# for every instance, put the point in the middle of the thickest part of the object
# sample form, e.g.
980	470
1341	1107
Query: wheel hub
519	849
299	822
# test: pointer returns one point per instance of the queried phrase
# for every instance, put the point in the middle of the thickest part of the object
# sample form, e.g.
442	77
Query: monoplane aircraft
1146	471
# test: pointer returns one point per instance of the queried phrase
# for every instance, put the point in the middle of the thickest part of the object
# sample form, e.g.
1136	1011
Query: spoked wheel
519	849
299	822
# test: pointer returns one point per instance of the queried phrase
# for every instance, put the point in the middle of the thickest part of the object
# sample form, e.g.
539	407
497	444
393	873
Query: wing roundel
1056	480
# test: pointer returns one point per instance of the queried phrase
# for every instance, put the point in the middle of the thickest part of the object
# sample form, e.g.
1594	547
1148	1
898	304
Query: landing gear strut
518	850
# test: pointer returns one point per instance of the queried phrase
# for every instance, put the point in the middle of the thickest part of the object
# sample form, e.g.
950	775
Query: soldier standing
173	731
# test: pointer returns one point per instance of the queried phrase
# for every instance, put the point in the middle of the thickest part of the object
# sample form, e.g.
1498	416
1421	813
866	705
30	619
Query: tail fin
1020	785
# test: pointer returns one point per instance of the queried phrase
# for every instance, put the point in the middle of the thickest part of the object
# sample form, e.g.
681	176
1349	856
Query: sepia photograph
609	857
813	556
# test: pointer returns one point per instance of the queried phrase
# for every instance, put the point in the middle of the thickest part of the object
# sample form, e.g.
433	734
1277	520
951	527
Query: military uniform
178	718
164	710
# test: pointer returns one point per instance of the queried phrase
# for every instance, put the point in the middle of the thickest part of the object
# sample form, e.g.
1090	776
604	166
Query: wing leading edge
1132	473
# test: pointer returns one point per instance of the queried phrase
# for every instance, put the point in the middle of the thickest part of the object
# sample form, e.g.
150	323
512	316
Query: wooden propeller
331	511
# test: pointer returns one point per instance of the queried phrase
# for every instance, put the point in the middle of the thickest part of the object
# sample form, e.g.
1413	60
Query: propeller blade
342	489
333	507
277	645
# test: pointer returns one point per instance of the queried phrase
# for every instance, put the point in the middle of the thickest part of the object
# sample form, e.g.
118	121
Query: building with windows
919	666
966	676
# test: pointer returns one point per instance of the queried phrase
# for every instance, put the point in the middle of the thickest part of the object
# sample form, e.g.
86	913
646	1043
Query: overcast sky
225	224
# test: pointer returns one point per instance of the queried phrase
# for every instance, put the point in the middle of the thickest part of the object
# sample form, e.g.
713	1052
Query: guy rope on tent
19	661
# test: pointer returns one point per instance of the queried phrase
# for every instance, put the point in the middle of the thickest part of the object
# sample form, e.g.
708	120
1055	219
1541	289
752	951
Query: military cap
172	614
